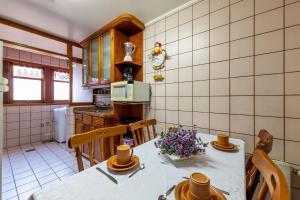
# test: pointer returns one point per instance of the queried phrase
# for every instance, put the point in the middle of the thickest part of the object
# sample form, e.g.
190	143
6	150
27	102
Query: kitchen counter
95	111
91	118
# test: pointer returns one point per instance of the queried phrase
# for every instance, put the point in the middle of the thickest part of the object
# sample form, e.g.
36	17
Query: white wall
80	94
23	37
77	52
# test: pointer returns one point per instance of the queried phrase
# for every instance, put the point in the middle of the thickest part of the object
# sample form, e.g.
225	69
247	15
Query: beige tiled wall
234	67
21	55
27	124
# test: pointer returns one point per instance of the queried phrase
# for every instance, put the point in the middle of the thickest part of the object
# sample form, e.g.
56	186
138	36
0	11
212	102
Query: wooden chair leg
91	153
79	159
101	149
142	135
139	139
121	139
135	139
149	135
154	133
111	145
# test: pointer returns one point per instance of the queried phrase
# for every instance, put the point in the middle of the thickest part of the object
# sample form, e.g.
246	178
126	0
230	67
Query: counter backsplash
103	99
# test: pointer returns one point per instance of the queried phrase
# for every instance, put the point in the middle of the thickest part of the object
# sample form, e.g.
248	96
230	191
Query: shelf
128	63
131	103
104	84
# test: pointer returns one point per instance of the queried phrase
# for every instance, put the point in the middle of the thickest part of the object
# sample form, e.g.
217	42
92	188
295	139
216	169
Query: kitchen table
225	170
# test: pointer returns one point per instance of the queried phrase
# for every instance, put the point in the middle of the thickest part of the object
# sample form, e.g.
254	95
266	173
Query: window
32	83
27	83
61	85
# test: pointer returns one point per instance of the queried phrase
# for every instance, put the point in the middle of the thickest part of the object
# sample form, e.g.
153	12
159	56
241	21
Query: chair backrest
77	141
265	143
138	130
274	181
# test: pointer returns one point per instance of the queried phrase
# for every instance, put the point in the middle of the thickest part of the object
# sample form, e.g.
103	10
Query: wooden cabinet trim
100	60
124	18
78	116
87	119
89	62
98	121
112	54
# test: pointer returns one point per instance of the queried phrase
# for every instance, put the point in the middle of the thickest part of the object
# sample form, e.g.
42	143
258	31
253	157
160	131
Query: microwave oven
135	91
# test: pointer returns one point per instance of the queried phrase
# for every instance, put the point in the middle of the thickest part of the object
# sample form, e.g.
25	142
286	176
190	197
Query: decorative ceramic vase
129	50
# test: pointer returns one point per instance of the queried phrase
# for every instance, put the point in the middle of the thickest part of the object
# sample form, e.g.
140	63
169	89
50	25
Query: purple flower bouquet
181	143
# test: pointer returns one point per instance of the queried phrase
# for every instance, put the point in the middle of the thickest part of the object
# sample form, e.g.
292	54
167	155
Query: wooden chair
264	143
274	181
138	133
111	134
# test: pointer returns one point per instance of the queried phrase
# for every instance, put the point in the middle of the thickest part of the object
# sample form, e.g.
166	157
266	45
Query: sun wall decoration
158	57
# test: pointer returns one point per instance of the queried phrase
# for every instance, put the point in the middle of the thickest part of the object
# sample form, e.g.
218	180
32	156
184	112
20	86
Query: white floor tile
27	187
43	173
65	172
47	179
25	180
8	187
26	172
6	180
9	194
26	195
51	183
23	175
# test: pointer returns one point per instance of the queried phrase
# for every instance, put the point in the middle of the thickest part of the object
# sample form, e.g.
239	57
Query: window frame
59	70
47	82
21	77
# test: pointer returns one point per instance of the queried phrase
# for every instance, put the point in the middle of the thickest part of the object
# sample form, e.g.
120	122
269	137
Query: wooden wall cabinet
97	60
85	65
94	57
104	52
105	49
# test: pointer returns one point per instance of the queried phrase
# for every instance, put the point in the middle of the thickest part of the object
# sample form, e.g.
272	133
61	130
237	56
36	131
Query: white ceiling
77	19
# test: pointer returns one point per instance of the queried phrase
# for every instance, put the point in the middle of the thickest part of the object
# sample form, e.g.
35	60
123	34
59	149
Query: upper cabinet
95	61
104	51
85	62
106	56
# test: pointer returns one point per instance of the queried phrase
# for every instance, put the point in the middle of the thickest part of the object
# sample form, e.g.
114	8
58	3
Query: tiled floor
26	172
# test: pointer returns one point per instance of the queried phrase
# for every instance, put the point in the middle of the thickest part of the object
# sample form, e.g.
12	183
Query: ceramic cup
192	196
223	140
124	154
199	187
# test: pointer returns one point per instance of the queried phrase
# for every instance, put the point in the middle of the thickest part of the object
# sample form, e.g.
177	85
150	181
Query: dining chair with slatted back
265	143
111	134
138	130
274	181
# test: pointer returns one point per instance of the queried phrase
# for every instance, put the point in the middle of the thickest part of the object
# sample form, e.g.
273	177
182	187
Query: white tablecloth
225	170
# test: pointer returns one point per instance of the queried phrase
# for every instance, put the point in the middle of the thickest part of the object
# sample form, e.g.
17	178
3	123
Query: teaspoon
164	196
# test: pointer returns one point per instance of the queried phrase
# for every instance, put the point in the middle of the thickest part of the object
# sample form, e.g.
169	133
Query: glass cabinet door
94	60
85	65
106	63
